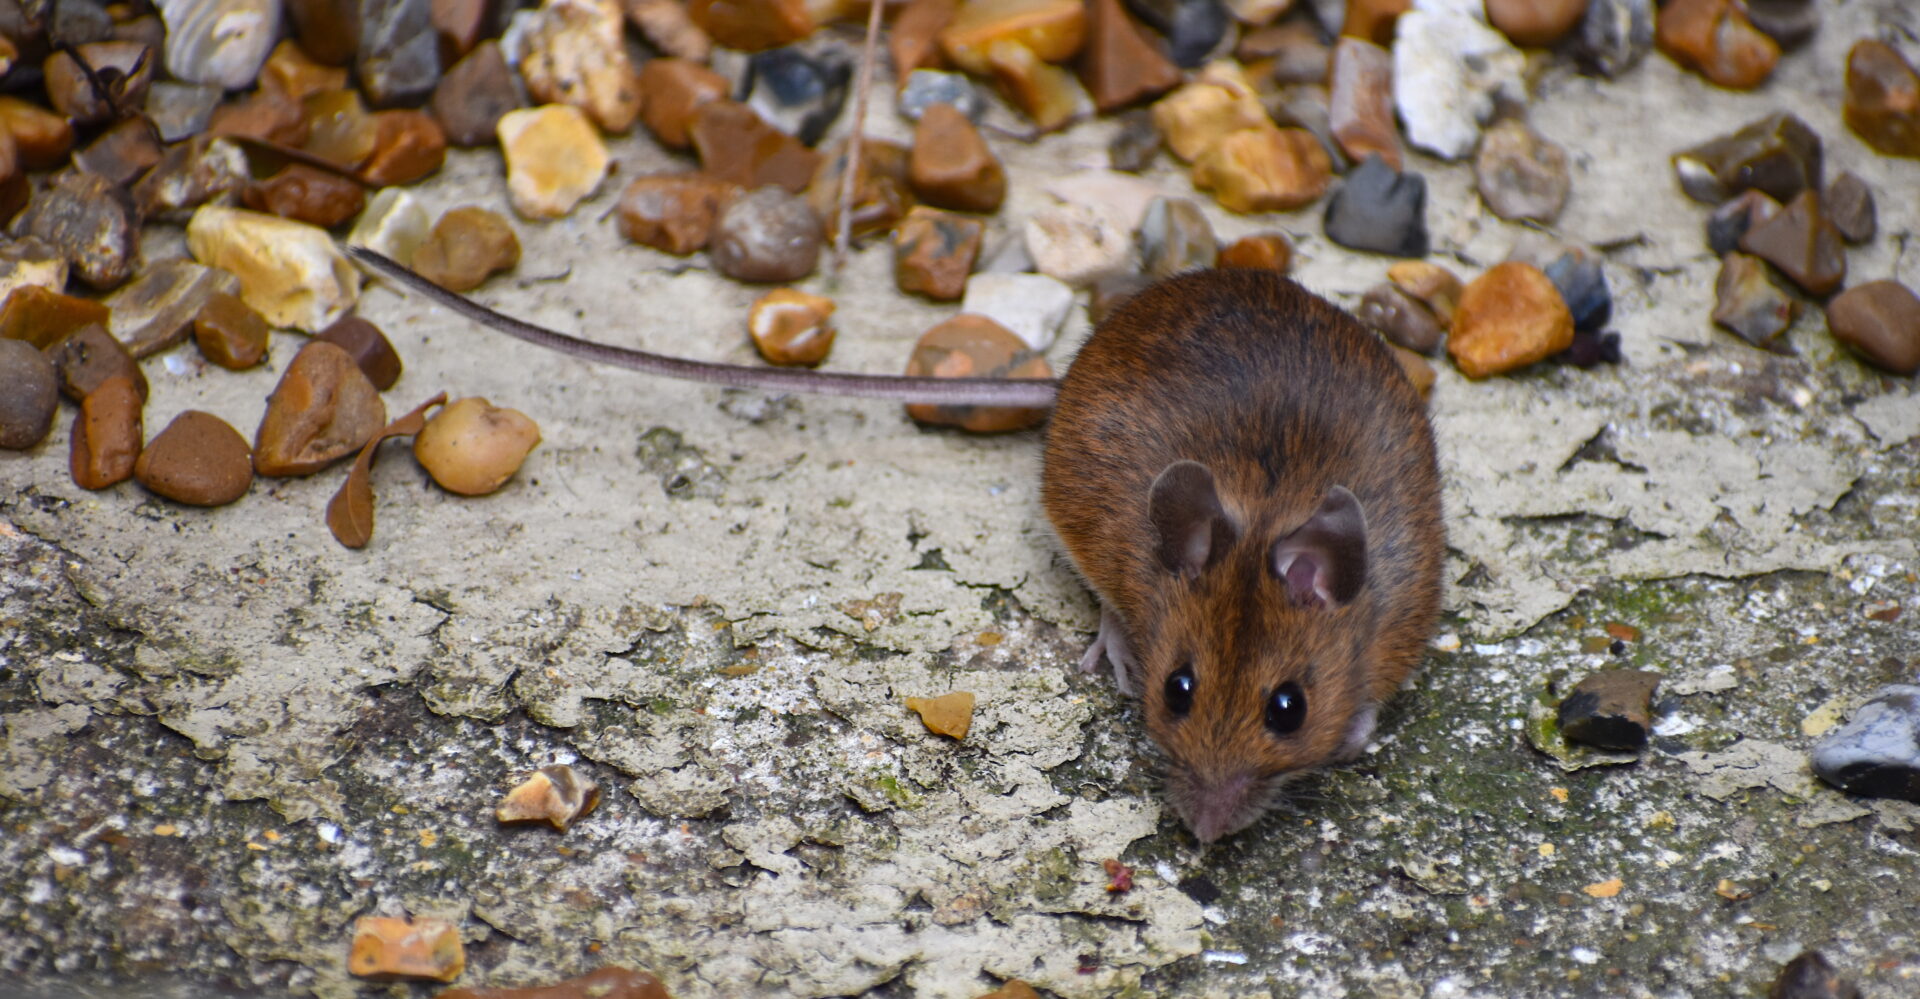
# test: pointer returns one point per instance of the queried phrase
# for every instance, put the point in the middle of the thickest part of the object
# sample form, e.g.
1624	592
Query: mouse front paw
1111	644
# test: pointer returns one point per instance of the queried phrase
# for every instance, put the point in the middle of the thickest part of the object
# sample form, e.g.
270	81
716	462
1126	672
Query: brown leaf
350	512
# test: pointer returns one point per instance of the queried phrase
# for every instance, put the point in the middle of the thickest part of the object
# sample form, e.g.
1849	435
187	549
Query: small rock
329	30
950	165
1535	23
1877	752
1614	36
219	41
123	71
368	347
181	110
106	435
308	194
1508	318
472	447
230	333
1809	976
1030	306
475	93
1883	98
323	409
43	317
1788	22
1175	237
1265	170
556	795
1111	292
1399	317
1610	709
155	310
974	346
1293	48
1592	348
121	153
1373	20
574	52
340	130
1715	39
766	235
667	25
1261	251
1135	143
291	72
881	194
290	271
1803	244
1360	108
1730	221
198	460
1077	243
791	327
75	22
1196	117
268	116
950	715
914	41
1380	210
42	138
406	948
1849	203
1582	284
460	25
934	251
1416	368
554	159
1009	257
1254	13
674	90
673	212
90	356
191	174
394	224
1520	175
1117	63
91	221
1748	302
29	395
926	87
735	145
1777	154
1436	287
799	92
466	246
1447	70
1193	28
1051	30
1049	95
398	59
601	983
30	261
1881	320
407	146
752	25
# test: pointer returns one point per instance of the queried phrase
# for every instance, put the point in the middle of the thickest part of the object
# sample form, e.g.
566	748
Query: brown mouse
1245	478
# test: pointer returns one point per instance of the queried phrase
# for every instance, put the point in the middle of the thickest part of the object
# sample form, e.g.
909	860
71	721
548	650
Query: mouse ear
1191	528
1324	561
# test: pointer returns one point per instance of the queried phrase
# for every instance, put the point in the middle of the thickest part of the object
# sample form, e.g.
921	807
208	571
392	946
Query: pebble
219	42
1535	23
673	91
1803	244
407	146
32	261
1193	28
406	948
29	394
1052	30
975	346
1777	154
329	30
1810	976
1883	98
735	145
574	52
43	317
914	41
950	715
1260	251
1373	20
1117	63
1135	144
75	22
797	91
88	357
1877	752
191	174
554	159
1582	284
1049	95
1508	318
1292	48
1788	22
198	459
42	138
394	224
91	221
1614	36
106	435
181	110
466	246
1435	286
1400	317
1520	175
1715	39
601	983
120	153
1849	204
1447	70
1111	292
1030	306
934	252
290	271
791	327
368	347
1748	302
1255	13
1360	106
766	235
472	447
1265	170
881	194
1380	210
398	59
155	310
230	333
557	795
324	409
267	115
1175	237
290	71
340	130
950	165
1194	118
1077	243
927	87
1881	320
1417	369
1731	220
1591	348
1610	709
471	97
752	25
460	23
673	212
308	194
124	70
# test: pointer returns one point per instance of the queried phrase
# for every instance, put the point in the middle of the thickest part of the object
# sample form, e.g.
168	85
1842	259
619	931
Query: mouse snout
1215	808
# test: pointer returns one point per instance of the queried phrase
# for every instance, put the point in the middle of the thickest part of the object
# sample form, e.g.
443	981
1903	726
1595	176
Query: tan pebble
1198	115
555	795
792	327
948	714
473	447
467	245
1265	170
950	165
554	159
385	947
292	272
1508	318
1435	286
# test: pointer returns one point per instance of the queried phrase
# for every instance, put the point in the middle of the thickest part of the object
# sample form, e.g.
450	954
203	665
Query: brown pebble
1748	302
368	347
407	146
91	220
1265	170
1048	94
198	460
460	24
1778	154
307	194
950	715
230	333
791	327
190	174
1436	287
89	357
1881	320
1508	318
406	948
1810	976
1535	23
268	115
766	235
1117	63
1520	175
323	409
934	251
1373	20
43	317
736	145
913	40
667	26
1416	368
672	92
466	246
1400	317
122	152
673	212
1883	98
42	138
471	97
106	435
1730	221
291	72
1194	118
327	30
1360	103
472	447
1611	709
341	131
1052	30
881	194
972	346
1714	38
1803	244
1261	251
950	165
752	25
29	395
1849	203
601	983
1291	48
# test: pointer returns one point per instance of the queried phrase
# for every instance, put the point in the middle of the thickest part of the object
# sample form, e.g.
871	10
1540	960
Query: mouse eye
1286	709
1179	692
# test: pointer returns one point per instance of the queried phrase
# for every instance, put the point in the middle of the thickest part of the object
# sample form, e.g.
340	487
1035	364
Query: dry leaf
350	512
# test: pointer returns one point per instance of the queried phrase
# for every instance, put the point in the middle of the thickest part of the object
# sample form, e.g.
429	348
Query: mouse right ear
1324	561
1191	528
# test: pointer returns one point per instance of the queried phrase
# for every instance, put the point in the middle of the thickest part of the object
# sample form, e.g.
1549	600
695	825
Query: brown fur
1282	396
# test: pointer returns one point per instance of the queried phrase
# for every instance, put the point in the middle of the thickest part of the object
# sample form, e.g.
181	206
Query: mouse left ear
1324	561
1191	527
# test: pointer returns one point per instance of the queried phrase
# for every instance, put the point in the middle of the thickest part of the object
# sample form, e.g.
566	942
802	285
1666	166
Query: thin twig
868	56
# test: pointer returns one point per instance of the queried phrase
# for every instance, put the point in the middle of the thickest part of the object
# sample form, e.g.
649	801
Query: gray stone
221	42
1175	237
1789	22
1582	283
1731	220
798	91
1135	143
1849	205
927	87
1447	70
91	221
767	235
29	394
399	58
1614	35
1749	302
181	110
1380	210
1521	175
1877	752
1193	28
1032	306
1399	317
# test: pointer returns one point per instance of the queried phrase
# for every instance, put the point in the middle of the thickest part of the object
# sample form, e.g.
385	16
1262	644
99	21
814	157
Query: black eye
1286	709
1180	687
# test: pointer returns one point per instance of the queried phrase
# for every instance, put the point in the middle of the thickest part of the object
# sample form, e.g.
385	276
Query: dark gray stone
1849	206
1810	976
1136	144
1877	752
927	87
1732	219
399	58
1193	27
1583	285
1613	36
799	92
1380	210
1789	22
1610	709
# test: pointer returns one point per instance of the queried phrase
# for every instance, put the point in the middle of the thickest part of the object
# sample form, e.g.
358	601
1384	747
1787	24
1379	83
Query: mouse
1247	481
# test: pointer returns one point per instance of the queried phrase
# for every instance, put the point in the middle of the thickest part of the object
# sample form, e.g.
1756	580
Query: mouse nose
1216	808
